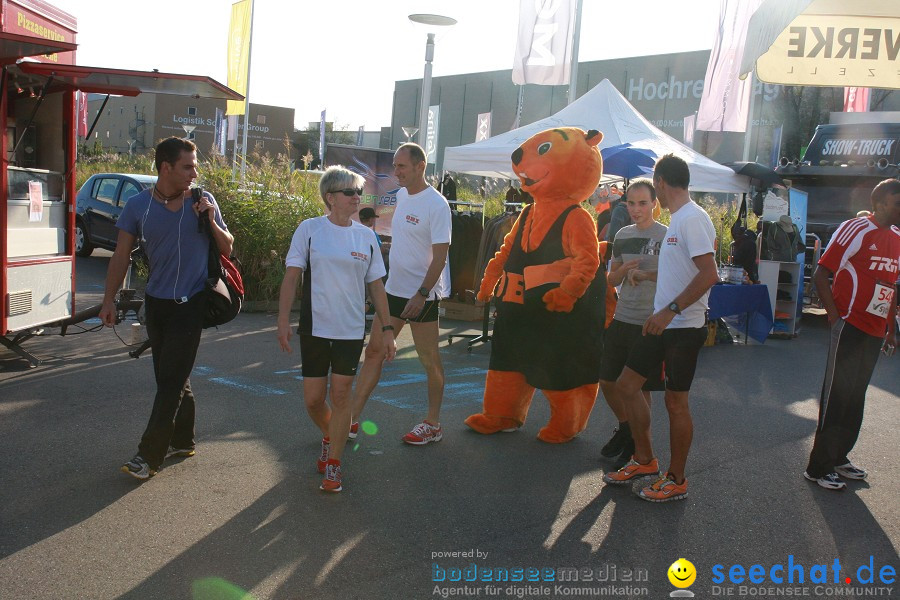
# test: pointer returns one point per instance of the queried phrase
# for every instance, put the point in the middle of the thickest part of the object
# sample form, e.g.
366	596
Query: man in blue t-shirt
168	225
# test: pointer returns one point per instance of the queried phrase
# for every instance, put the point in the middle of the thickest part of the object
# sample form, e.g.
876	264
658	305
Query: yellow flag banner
238	54
835	50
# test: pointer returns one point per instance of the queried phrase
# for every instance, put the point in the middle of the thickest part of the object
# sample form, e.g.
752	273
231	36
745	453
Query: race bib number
881	300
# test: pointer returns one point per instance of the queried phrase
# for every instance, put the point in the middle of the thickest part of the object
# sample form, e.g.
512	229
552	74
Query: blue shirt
177	251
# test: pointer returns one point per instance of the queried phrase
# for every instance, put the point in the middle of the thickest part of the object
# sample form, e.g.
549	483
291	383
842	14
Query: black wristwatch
424	292
387	328
673	306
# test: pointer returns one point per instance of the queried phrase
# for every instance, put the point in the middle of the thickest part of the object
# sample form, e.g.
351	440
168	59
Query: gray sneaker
138	468
849	471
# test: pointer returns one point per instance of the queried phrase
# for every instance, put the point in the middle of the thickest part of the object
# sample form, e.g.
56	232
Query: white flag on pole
483	129
544	46
431	136
725	103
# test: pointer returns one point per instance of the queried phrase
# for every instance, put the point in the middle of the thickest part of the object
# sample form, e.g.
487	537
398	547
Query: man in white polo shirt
418	279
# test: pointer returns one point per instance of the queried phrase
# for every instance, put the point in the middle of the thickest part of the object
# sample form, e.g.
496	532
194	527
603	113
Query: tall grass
263	214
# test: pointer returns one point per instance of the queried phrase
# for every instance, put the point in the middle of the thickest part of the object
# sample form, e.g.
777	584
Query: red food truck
38	82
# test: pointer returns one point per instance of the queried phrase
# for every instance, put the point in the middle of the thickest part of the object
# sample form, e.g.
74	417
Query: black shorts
319	354
429	313
676	348
618	341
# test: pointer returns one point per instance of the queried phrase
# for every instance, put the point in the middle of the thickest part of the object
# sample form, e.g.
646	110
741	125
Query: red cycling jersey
865	260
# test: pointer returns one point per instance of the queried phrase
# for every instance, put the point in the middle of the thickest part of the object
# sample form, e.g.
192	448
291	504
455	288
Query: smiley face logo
682	573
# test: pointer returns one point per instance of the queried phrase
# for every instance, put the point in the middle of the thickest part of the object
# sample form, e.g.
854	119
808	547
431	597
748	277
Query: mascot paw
552	436
486	290
557	300
485	424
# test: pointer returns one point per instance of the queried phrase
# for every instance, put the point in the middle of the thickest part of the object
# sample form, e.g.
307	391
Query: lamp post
433	21
409	132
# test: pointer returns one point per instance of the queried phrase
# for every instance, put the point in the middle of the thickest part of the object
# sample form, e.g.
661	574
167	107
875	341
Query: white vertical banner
725	104
431	136
219	135
690	125
322	141
544	45
359	136
231	128
483	129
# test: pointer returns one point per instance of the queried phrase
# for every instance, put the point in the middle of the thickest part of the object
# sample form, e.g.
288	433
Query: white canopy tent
603	108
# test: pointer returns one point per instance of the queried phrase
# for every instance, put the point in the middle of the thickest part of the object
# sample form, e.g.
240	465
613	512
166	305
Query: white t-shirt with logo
337	264
690	234
419	221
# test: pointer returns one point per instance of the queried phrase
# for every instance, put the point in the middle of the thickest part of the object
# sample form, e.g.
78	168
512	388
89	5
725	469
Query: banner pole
749	131
247	99
576	38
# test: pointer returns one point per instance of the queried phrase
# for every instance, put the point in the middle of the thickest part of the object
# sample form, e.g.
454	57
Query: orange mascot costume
551	287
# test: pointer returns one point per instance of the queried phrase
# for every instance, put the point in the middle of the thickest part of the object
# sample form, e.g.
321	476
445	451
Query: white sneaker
849	471
829	482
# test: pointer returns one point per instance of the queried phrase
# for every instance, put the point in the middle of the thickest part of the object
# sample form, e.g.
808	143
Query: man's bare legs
628	388
373	361
425	338
681	432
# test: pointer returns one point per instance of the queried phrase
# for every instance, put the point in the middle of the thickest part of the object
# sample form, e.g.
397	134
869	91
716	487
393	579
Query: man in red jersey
864	258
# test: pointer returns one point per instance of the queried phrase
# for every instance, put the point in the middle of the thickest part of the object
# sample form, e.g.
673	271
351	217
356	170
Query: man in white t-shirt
673	335
419	277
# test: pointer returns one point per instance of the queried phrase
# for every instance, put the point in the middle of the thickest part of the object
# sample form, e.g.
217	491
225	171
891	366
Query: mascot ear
593	137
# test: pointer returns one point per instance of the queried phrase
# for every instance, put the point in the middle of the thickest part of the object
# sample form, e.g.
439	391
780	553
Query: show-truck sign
861	144
377	168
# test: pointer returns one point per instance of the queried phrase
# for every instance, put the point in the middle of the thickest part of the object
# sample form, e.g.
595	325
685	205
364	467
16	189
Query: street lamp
431	21
409	132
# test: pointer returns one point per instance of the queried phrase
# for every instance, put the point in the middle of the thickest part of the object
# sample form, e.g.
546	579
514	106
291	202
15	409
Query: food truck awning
14	46
121	82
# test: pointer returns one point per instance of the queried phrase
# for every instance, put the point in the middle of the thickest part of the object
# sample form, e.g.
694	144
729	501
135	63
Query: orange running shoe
632	470
323	458
332	481
664	490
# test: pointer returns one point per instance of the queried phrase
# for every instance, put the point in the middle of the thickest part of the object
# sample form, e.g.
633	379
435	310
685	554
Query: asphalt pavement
245	518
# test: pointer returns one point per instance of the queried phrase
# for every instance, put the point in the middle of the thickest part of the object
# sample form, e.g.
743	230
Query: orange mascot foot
569	413
485	424
507	397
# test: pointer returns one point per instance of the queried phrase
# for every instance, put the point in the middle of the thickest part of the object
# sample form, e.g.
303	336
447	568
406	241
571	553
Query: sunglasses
349	192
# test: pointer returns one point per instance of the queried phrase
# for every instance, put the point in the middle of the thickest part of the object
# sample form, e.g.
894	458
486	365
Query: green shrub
262	215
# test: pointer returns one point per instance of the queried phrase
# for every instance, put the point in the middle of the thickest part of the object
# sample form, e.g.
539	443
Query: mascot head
560	164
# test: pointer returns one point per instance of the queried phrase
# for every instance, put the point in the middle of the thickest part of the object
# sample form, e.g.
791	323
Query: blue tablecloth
750	301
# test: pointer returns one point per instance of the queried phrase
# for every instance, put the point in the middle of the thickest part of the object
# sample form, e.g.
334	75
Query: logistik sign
793	578
195	121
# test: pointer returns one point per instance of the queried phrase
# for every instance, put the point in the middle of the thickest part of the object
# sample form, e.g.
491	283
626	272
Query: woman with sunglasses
337	258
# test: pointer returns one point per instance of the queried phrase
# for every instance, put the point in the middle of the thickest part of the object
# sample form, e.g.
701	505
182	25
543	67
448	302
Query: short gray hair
338	178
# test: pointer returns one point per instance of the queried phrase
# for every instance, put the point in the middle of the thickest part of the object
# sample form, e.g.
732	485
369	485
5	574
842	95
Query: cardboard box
460	311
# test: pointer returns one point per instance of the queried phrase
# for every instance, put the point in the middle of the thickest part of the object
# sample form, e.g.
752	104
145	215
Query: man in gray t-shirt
642	245
633	271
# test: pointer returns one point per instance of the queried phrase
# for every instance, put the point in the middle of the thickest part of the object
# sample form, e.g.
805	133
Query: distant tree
803	108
